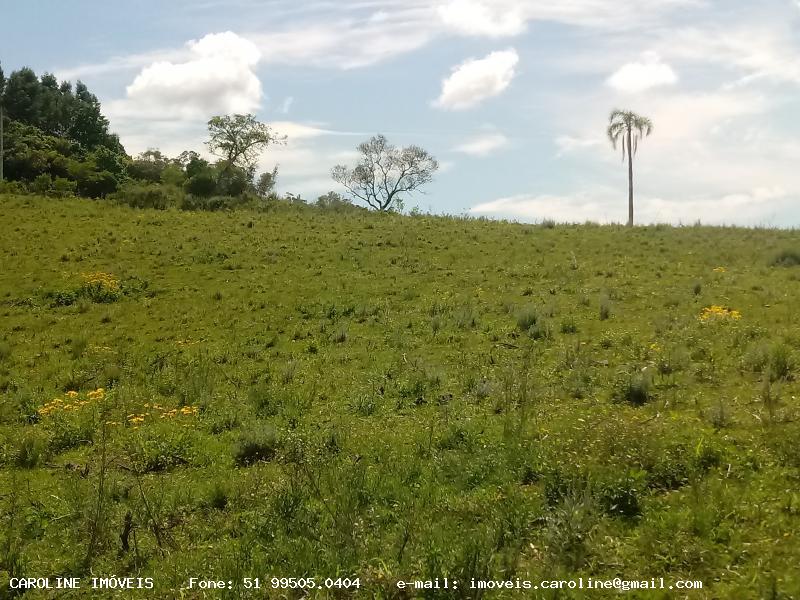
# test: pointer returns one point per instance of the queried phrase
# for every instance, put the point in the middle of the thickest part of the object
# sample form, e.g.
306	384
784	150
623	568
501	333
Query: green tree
628	128
2	124
385	173
239	139
266	183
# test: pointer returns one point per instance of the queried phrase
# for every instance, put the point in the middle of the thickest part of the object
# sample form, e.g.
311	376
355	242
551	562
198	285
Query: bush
258	444
527	318
212	203
160	448
30	451
633	389
786	258
147	195
41	184
63	188
12	187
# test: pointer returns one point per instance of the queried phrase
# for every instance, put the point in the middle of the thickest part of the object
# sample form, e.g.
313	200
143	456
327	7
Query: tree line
56	141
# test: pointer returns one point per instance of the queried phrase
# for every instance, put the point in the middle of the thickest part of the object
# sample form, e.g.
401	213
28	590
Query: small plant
5	351
633	389
715	312
100	287
780	362
605	308
30	451
697	287
217	496
339	336
260	443
570	527
527	318
568	325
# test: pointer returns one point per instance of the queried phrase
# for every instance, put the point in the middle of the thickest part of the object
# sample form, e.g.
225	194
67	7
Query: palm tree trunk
630	180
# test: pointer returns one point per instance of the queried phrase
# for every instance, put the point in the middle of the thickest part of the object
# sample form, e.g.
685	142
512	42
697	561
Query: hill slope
302	393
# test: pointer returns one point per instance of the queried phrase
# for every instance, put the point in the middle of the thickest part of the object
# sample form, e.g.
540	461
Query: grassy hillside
307	393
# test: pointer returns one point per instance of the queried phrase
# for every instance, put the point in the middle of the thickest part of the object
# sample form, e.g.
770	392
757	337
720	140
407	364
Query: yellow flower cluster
100	279
70	402
137	419
720	269
716	312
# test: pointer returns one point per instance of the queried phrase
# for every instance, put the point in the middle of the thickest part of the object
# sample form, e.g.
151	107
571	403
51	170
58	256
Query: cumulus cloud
483	145
643	75
470	17
217	77
475	80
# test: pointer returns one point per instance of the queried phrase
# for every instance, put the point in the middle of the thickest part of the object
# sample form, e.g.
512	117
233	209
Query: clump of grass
786	258
568	325
527	317
697	287
30	451
77	347
339	336
571	526
217	496
635	389
780	362
5	351
605	308
259	443
264	399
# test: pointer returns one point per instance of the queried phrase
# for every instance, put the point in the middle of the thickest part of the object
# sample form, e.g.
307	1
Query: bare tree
631	128
385	173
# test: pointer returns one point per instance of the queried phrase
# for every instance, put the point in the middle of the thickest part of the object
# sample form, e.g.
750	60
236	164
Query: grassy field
301	393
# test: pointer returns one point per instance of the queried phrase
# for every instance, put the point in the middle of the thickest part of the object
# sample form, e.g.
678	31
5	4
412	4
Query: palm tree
631	128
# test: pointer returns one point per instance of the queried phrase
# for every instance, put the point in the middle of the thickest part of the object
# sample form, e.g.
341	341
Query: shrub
527	318
30	451
264	399
260	443
63	188
786	258
605	308
41	184
147	195
212	203
633	389
159	448
780	362
568	325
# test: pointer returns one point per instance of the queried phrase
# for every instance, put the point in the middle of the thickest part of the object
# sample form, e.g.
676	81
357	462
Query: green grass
303	393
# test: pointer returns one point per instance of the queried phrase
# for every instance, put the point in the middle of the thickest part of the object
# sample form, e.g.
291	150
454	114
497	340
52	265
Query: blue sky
511	96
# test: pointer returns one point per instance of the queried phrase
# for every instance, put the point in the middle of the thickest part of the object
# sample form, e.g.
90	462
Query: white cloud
761	52
564	209
286	105
567	144
473	81
348	43
758	206
216	78
483	145
470	17
643	75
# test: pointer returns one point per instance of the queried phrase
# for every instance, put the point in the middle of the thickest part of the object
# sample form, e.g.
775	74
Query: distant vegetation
56	143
